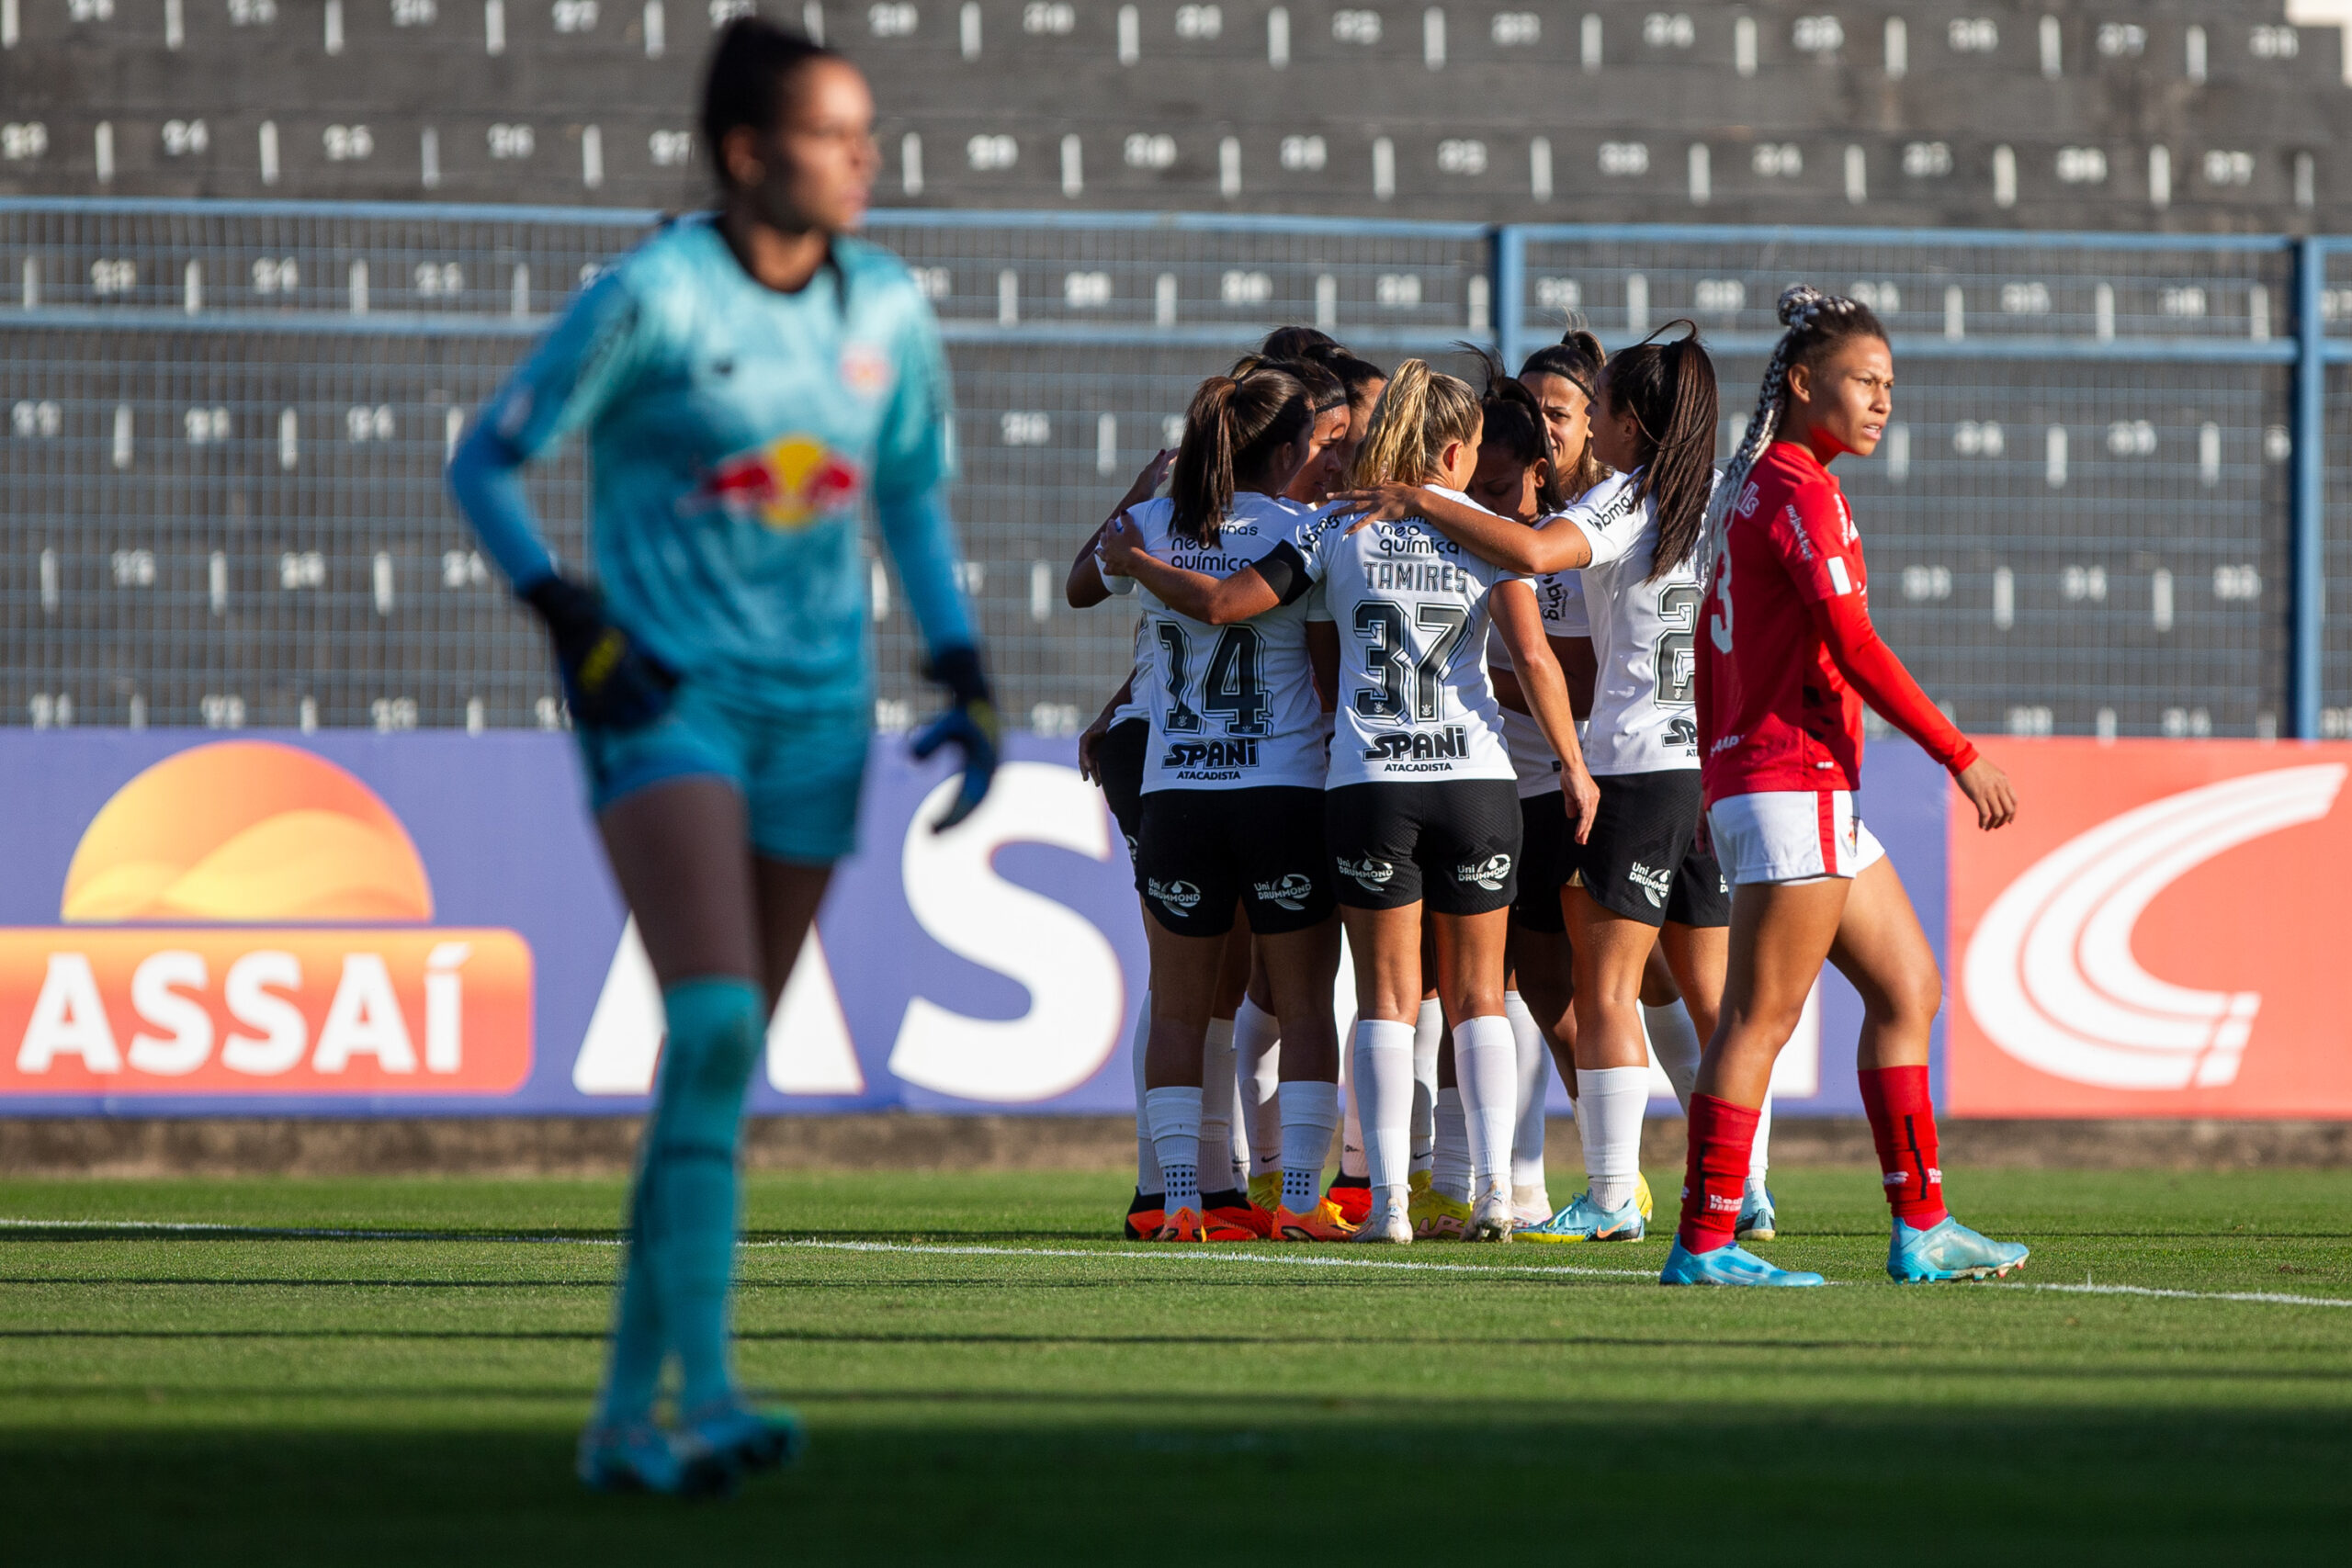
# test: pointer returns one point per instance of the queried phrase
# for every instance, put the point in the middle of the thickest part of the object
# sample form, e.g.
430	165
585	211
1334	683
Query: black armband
1284	571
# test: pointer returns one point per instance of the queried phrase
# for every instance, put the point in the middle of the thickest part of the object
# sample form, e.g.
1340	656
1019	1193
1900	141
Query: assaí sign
247	917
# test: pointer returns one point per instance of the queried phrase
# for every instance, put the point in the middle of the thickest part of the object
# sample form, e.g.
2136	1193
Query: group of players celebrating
1373	607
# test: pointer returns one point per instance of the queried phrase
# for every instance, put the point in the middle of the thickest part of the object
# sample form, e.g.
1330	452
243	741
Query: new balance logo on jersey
1292	892
1452	741
1654	885
1241	753
1747	500
1178	898
1489	874
1371	875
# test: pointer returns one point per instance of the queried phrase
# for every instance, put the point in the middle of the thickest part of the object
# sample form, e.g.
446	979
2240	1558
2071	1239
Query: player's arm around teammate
1787	658
1421	810
741	378
1232	805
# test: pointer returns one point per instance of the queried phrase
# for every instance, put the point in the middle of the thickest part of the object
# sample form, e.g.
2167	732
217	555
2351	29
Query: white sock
1148	1179
1383	1059
1527	1135
1450	1149
1352	1155
1760	1159
1218	1091
1674	1040
1486	1062
1175	1116
1257	1050
1311	1115
1615	1099
1429	1031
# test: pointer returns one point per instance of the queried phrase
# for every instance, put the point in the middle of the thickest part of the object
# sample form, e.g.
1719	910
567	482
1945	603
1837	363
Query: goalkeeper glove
610	682
971	727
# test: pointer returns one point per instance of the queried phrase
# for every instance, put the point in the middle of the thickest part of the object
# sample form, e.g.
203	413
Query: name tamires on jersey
1411	608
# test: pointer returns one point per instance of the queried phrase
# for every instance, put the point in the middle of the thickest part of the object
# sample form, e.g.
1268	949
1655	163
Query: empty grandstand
259	259
2196	116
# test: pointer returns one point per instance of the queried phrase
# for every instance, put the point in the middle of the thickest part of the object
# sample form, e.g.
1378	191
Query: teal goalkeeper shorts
799	775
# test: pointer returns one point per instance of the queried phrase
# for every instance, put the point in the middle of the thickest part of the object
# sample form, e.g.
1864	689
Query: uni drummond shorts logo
1179	897
1371	874
1489	874
1292	892
195	956
1654	885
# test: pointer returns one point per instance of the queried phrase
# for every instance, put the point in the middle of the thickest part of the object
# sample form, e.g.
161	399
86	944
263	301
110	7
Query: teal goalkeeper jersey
734	434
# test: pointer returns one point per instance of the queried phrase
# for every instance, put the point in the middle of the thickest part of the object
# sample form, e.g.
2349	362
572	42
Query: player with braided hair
1786	658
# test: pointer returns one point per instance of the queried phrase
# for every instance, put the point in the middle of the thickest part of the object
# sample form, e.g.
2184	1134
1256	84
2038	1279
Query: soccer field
984	1378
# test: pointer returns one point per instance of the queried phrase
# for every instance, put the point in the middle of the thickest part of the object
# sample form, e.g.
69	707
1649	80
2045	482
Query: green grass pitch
994	1381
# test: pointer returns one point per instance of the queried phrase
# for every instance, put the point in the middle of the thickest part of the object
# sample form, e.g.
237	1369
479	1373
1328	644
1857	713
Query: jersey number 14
1234	686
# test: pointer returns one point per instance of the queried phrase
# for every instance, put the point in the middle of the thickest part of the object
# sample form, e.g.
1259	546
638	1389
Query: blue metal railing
2122	342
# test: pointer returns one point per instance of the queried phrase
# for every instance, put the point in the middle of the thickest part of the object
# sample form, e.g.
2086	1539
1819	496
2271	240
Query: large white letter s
1076	993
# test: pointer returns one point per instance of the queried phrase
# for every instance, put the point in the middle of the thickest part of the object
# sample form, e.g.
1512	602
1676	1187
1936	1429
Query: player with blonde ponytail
1786	658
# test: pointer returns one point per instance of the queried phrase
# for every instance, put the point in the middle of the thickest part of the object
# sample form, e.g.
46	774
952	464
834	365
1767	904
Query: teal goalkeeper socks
633	1372
687	1192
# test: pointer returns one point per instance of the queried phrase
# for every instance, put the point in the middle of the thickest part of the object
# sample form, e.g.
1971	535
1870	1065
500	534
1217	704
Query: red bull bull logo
787	484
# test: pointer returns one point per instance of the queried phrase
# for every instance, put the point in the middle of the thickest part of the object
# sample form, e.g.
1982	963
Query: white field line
1221	1254
1157	1255
2271	1298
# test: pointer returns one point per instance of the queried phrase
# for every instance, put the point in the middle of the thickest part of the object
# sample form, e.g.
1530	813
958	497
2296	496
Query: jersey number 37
1411	689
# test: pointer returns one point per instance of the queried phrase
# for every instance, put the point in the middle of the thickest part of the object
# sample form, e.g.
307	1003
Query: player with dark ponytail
1787	658
1232	800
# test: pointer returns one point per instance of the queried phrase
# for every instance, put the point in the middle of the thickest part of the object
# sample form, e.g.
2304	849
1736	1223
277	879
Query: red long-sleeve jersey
1787	654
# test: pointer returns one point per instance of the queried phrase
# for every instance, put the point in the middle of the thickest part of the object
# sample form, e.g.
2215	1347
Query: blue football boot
1732	1264
1948	1250
1585	1220
636	1457
725	1442
1756	1220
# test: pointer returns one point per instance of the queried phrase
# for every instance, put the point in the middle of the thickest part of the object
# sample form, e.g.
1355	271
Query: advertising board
345	924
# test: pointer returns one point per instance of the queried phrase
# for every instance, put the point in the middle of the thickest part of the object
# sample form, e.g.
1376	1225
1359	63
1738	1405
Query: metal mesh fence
220	471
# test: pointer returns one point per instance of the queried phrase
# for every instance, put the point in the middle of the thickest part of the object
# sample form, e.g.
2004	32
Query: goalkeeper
742	379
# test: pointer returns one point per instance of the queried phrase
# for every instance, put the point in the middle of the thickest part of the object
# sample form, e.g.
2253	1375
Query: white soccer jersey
1560	595
1232	708
1138	703
1411	608
1644	714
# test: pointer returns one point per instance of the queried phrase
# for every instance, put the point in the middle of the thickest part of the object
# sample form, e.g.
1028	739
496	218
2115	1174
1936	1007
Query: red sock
1903	1125
1723	1136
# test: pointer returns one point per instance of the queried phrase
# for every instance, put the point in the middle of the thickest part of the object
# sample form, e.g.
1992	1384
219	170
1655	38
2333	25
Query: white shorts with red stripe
1795	835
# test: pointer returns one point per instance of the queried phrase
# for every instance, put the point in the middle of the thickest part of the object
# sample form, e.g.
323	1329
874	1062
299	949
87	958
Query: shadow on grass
1275	1481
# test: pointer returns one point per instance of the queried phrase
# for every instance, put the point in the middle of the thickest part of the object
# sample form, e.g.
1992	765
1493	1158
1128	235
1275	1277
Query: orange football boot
1322	1223
1353	1195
